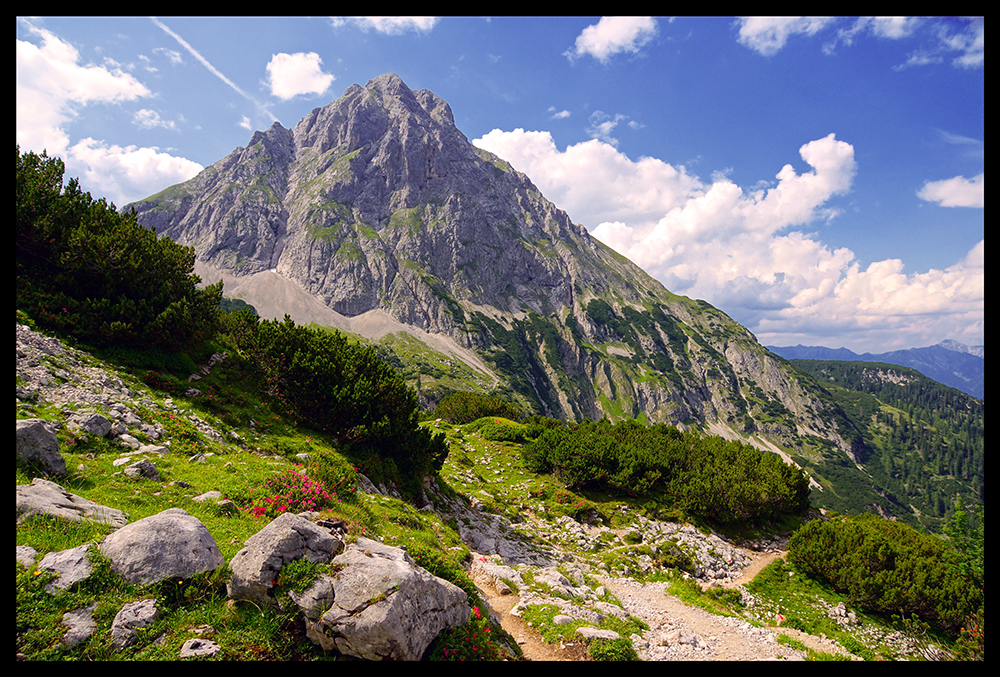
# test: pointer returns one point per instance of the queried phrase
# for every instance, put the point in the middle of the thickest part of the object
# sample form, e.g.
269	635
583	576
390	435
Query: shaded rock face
377	201
37	443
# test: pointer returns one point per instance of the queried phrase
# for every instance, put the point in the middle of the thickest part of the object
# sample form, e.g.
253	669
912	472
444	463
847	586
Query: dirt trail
719	638
759	561
529	639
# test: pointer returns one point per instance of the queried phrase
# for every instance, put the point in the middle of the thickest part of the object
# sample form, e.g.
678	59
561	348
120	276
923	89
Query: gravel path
677	631
529	639
681	632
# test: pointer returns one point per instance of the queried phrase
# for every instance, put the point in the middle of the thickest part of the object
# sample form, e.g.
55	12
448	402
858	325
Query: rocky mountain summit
377	206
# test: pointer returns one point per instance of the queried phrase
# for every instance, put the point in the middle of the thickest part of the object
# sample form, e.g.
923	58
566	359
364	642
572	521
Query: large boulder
170	544
380	605
37	443
43	497
255	568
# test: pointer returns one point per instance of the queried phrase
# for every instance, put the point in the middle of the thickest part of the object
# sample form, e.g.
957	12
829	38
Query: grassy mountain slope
483	467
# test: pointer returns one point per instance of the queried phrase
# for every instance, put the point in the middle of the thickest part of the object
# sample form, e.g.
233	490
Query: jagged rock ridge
377	202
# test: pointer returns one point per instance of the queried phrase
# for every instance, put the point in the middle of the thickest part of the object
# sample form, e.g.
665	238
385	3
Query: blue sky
818	179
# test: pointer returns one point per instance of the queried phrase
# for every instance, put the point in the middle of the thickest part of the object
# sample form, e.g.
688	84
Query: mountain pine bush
89	272
340	389
466	407
725	481
888	567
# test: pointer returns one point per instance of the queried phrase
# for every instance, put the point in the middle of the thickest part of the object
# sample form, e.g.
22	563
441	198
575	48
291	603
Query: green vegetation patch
724	481
888	567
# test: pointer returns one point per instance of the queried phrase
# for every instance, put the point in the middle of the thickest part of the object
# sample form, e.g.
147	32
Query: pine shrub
86	271
887	567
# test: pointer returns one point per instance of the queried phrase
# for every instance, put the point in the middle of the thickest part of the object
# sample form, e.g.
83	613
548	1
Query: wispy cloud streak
215	71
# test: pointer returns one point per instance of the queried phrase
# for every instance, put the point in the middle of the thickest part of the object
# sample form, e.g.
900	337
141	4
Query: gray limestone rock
595	633
26	556
196	647
37	443
169	544
81	625
383	606
143	469
43	497
132	617
495	574
256	567
89	422
71	566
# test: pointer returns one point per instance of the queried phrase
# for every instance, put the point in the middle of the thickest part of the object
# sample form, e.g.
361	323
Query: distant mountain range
949	362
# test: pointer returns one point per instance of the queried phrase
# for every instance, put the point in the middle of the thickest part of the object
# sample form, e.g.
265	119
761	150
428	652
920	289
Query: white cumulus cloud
768	34
748	250
613	35
126	174
52	85
290	75
148	119
957	191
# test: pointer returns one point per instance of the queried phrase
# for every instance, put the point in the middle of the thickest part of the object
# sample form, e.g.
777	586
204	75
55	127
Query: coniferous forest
923	441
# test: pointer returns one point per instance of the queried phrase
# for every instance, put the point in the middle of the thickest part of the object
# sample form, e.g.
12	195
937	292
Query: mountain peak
956	346
376	203
384	108
391	87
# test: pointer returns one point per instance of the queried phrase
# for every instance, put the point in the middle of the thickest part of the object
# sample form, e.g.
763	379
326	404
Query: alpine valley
376	216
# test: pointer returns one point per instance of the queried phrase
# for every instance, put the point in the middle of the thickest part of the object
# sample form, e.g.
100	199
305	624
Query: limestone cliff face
378	202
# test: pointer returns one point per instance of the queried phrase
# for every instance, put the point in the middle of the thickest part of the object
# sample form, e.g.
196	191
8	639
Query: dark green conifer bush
465	407
340	389
89	272
724	481
888	567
